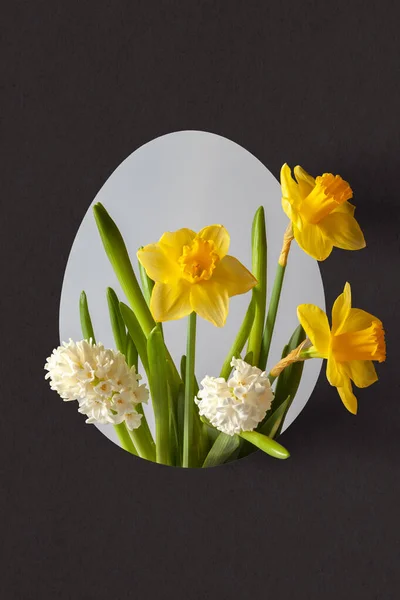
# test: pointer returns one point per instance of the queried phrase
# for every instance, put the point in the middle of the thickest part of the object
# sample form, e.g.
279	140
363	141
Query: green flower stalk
275	297
189	406
158	382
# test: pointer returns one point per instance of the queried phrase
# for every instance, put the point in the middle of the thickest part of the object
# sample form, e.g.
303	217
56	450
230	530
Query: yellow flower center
198	260
330	191
367	344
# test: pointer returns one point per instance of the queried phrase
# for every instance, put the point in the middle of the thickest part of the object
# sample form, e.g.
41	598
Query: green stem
240	340
144	446
158	382
187	460
271	316
144	426
125	438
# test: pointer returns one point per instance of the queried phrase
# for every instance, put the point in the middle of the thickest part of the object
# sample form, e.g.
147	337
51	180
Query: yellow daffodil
355	340
193	273
320	212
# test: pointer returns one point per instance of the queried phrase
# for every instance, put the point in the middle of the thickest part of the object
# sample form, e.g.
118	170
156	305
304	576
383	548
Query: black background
85	84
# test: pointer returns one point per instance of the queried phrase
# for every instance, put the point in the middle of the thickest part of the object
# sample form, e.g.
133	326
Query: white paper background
191	179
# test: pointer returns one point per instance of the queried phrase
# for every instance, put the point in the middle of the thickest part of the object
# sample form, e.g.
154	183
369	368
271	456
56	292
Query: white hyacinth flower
238	404
106	389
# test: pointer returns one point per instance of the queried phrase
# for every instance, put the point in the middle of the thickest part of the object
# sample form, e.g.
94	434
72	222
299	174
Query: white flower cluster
238	404
106	389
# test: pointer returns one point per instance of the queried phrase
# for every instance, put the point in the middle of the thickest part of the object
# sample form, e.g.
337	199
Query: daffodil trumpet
189	274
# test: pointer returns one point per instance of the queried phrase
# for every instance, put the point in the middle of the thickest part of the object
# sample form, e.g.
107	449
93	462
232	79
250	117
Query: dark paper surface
85	84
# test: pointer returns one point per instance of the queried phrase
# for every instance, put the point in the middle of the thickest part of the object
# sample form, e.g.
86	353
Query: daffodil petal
362	372
346	207
233	276
170	302
313	241
334	371
219	235
341	309
291	213
290	189
158	264
347	396
357	320
306	182
174	241
315	323
343	231
210	301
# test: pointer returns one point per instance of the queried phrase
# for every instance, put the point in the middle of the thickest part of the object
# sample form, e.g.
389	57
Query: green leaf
147	283
132	354
289	380
259	267
265	444
221	450
86	321
176	448
117	322
274	422
136	333
201	432
87	332
249	357
117	253
240	340
125	439
158	381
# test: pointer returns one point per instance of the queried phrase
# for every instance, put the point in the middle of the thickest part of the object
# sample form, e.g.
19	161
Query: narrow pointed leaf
158	381
117	253
131	353
117	322
87	332
221	450
259	268
86	321
147	283
289	380
265	444
240	340
273	424
136	333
